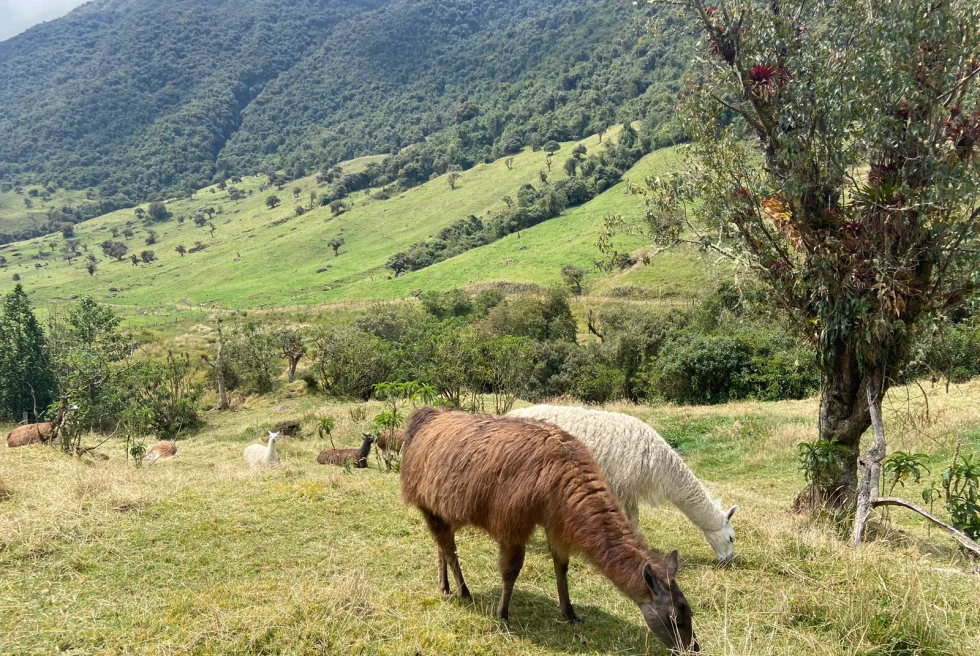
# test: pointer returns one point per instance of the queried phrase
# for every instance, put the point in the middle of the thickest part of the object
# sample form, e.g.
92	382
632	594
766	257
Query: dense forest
146	100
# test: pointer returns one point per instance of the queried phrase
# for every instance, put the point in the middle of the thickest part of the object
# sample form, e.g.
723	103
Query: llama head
723	539
368	437
667	613
274	437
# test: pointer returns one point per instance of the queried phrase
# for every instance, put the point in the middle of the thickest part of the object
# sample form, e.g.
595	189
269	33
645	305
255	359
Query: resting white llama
641	467
258	455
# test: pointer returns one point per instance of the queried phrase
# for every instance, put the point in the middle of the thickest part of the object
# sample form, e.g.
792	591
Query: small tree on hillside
509	163
114	249
148	256
864	213
453	178
128	233
180	248
219	366
140	213
272	202
335	244
158	212
151	237
91	267
573	276
293	348
551	147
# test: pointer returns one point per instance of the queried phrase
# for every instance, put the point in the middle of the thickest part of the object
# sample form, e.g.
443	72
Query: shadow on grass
536	619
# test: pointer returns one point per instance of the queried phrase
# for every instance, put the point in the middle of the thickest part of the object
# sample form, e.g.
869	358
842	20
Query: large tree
834	152
27	384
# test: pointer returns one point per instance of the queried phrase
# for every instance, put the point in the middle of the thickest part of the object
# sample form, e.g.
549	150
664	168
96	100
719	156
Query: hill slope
272	257
141	99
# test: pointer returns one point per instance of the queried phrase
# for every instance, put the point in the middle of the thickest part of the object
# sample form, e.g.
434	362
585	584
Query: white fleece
641	467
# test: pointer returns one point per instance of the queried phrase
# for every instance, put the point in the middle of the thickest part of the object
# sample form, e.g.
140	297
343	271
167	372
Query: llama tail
418	419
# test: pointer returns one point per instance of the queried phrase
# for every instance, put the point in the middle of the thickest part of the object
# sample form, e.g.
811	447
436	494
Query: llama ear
731	512
657	588
672	564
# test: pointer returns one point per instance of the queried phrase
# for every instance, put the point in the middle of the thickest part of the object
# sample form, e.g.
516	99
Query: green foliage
348	363
158	212
171	393
254	357
27	383
961	485
821	462
559	69
325	427
902	466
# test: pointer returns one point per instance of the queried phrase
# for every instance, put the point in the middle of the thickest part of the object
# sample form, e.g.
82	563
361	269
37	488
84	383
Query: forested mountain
145	99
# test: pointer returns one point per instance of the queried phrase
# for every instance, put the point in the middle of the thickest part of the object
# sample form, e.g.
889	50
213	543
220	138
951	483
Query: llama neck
365	449
595	525
681	487
271	453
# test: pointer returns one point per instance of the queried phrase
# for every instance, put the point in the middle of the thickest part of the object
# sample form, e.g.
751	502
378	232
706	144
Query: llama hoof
464	594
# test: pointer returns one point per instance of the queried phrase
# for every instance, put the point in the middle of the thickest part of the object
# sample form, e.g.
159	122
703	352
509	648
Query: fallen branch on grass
967	543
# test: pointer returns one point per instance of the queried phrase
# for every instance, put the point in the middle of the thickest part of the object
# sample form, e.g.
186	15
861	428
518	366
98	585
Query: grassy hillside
202	556
17	217
271	257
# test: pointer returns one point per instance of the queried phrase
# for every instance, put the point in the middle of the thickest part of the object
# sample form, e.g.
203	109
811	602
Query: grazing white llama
641	467
257	455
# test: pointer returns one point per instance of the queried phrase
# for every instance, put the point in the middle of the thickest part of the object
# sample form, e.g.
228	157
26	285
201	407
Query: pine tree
27	383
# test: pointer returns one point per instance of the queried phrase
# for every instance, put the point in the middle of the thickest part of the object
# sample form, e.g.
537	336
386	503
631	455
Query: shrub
348	363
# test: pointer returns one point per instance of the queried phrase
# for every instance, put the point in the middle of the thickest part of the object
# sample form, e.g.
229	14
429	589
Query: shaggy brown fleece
341	457
507	476
29	434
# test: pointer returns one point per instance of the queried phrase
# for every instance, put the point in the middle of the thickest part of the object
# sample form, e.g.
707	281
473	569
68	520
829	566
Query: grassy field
202	556
15	215
262	258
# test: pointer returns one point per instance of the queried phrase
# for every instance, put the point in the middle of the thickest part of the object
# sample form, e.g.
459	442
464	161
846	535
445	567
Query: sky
17	15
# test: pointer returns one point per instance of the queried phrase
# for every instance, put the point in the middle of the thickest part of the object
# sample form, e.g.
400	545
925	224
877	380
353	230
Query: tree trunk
291	373
844	416
870	462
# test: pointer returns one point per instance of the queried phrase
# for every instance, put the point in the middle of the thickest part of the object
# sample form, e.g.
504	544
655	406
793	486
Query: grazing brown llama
343	456
390	441
507	476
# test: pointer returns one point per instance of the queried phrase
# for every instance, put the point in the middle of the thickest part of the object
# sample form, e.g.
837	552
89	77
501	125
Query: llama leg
632	513
437	528
453	558
510	562
445	539
561	576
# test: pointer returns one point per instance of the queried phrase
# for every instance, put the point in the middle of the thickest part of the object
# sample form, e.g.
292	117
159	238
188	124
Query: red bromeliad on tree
834	152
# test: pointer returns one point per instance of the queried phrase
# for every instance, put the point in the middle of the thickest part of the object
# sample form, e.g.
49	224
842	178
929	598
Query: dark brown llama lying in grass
508	475
359	457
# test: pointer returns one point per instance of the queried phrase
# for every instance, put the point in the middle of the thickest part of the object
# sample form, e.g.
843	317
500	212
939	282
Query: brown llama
161	451
343	456
508	475
31	434
390	441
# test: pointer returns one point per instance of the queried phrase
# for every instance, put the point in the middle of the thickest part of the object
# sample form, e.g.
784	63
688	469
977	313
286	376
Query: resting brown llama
343	456
161	451
508	475
30	434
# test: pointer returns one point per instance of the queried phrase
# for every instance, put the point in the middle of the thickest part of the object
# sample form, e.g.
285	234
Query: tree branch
967	543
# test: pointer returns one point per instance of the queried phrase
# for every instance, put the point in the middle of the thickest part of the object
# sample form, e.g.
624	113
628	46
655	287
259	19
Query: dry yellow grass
202	556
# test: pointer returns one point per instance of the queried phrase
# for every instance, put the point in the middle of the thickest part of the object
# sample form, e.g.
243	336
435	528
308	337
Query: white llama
258	455
641	467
